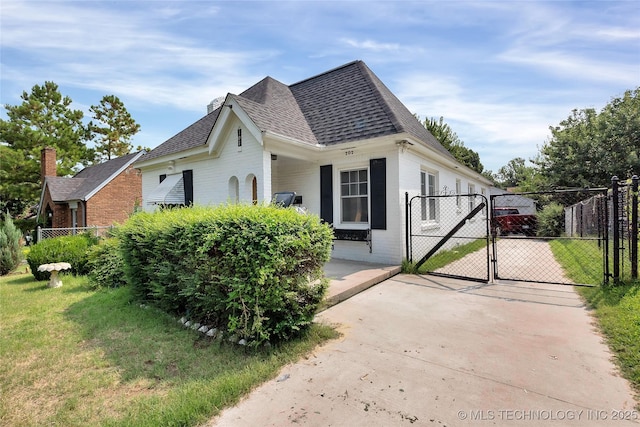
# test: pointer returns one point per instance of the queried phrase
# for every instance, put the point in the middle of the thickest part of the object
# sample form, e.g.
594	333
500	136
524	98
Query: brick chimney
47	162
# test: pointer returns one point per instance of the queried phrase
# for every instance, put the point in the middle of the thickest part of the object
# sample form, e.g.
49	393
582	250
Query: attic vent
213	105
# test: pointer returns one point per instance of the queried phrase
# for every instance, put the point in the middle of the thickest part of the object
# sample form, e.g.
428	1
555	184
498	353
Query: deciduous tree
450	140
589	147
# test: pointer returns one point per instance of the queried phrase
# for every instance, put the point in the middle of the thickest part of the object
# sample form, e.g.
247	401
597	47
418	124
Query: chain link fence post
634	227
615	194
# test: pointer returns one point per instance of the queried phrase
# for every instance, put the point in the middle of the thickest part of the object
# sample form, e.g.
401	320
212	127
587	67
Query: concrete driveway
429	351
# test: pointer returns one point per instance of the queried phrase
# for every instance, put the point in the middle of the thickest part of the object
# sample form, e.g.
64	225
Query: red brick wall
61	214
116	201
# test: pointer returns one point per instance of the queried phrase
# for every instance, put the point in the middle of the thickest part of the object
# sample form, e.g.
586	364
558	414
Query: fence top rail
564	190
442	196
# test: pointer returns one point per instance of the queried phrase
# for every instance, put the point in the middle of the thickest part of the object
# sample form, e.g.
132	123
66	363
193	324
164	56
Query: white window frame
429	206
471	189
458	194
364	169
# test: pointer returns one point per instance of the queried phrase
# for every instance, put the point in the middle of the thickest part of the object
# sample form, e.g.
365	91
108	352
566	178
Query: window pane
353	189
353	176
363	175
355	209
363	189
344	177
344	189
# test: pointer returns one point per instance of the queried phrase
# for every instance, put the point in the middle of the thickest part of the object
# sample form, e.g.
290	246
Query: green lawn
75	357
443	258
617	307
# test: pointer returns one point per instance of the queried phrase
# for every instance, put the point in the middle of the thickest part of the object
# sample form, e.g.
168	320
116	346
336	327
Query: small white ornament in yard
54	268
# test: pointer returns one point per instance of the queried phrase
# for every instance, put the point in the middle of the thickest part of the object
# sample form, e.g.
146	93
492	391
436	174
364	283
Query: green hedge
106	265
256	271
71	249
551	220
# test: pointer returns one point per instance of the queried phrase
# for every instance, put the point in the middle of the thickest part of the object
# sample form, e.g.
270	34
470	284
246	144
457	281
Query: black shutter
187	179
326	193
378	173
163	177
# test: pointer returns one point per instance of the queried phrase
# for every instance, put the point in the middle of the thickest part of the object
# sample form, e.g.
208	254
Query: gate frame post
634	227
407	223
615	193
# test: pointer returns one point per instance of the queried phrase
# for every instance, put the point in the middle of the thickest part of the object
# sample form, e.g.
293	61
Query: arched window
251	188
254	190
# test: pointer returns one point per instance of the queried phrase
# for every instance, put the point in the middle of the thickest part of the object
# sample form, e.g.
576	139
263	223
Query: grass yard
75	357
617	307
445	257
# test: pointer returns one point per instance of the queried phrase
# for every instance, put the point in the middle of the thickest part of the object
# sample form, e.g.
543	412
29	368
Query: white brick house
340	140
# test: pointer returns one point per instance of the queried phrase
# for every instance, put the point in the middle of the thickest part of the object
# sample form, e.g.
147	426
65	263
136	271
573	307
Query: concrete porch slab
349	278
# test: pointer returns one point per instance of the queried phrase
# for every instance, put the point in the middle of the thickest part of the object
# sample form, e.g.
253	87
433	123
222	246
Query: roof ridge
388	109
348	64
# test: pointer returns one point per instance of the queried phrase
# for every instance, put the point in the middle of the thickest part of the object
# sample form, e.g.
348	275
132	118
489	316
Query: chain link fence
551	237
49	233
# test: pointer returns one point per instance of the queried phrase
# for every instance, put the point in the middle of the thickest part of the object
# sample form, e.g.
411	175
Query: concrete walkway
427	351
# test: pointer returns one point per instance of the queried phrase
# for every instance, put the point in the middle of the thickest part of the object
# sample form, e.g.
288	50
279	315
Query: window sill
430	226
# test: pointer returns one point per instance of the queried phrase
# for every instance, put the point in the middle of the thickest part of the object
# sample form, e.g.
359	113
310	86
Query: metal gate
559	237
448	235
532	231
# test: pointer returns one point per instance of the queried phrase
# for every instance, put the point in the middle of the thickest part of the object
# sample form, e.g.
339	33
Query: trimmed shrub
10	251
256	271
551	220
71	249
105	264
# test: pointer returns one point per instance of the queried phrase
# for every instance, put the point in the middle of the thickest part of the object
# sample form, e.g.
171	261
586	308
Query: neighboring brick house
99	195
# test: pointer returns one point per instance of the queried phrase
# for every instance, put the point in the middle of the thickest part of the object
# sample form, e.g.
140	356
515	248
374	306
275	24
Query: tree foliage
516	174
450	140
589	147
10	251
43	119
114	128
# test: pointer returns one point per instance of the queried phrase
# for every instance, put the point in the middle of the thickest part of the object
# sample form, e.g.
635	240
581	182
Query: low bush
71	249
105	264
256	271
10	251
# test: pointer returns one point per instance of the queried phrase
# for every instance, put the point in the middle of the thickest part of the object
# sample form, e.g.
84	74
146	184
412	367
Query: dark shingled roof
272	107
86	181
346	104
194	136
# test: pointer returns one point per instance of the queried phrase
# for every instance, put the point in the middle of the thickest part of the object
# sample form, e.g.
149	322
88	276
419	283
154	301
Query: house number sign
349	152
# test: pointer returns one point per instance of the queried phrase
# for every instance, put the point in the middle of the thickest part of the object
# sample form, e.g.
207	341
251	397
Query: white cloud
116	52
372	45
487	123
571	66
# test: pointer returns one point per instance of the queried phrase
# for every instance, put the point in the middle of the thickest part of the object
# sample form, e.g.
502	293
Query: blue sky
499	72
